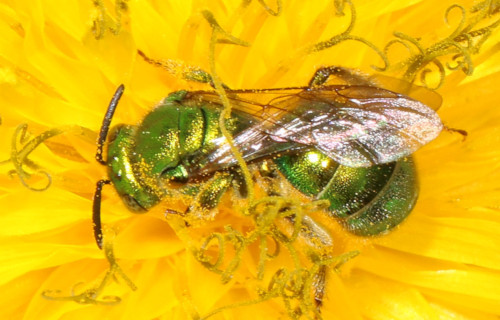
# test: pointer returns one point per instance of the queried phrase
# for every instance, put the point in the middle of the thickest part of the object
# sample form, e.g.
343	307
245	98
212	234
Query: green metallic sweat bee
347	143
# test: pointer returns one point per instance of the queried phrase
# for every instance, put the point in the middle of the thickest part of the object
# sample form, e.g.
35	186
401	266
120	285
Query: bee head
138	195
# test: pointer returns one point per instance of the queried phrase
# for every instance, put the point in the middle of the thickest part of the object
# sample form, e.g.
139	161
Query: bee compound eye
113	134
132	203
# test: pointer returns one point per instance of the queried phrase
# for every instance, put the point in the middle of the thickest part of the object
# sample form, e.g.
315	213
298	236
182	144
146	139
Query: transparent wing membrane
357	126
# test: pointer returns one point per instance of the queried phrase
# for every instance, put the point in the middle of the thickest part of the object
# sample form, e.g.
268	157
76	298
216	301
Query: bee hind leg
346	75
319	285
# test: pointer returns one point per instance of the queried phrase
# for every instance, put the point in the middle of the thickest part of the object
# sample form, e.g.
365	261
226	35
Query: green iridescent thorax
144	158
177	129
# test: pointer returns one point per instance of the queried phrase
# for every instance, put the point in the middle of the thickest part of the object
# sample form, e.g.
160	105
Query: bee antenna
103	133
96	212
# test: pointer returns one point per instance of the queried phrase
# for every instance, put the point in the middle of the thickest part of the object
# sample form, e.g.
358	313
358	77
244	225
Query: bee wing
425	95
357	126
362	126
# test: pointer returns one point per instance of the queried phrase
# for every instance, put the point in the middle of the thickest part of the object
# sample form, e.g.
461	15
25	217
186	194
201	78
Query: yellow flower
60	62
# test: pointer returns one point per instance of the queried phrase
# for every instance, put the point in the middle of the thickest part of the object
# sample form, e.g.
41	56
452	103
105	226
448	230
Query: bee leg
187	72
209	196
319	284
271	180
96	212
459	131
348	76
318	239
178	213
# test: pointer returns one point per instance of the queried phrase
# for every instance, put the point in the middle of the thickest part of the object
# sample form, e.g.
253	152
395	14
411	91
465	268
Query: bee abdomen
366	201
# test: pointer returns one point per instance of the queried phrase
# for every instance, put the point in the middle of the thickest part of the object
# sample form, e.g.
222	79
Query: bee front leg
348	76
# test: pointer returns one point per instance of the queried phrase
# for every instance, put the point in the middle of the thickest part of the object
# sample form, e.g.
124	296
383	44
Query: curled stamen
300	287
265	255
22	147
397	41
461	23
458	63
22	178
294	285
277	12
462	42
415	42
205	260
217	31
239	243
467	65
345	35
104	22
18	158
425	72
92	295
